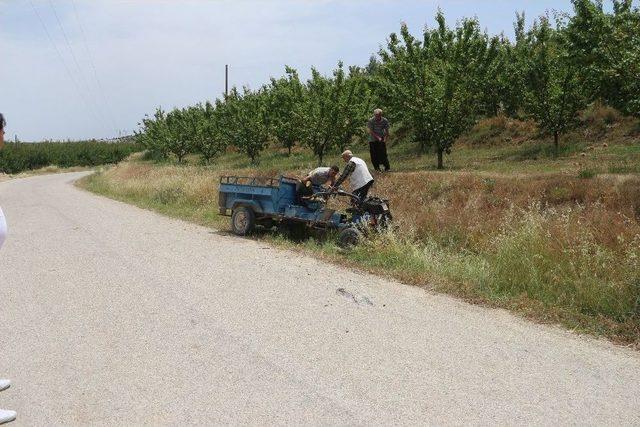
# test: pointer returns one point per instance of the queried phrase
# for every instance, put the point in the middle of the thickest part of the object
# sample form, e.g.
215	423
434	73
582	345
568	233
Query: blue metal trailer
268	202
252	201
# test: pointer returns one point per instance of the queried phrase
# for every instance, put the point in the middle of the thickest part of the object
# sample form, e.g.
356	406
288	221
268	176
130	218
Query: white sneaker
4	384
6	416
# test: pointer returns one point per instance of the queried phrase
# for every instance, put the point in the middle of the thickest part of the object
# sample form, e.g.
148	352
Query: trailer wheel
243	221
349	237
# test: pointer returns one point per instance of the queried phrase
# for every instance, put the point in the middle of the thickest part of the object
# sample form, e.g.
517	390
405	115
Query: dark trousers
363	191
378	151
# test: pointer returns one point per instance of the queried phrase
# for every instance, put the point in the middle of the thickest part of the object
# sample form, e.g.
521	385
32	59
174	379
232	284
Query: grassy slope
507	225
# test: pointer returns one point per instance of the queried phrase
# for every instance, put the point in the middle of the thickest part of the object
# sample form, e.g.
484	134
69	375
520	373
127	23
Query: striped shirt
379	127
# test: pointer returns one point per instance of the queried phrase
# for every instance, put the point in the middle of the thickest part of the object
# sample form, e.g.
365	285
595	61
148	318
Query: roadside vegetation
20	157
516	163
509	224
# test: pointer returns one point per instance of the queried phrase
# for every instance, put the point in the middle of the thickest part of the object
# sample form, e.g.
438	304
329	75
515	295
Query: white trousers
3	228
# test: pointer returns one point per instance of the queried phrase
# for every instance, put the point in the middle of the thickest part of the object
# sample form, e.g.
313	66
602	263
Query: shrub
18	157
599	118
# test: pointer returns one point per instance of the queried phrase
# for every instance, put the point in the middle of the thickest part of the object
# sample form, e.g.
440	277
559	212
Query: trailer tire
243	221
349	237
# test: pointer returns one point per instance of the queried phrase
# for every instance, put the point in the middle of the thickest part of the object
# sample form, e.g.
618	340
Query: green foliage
606	49
285	101
19	157
335	109
506	82
207	127
153	134
553	94
246	122
179	138
182	132
435	84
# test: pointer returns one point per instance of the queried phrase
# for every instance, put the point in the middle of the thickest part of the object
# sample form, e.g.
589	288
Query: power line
93	66
64	63
75	60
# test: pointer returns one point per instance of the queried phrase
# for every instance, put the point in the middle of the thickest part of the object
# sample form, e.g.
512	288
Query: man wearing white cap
360	178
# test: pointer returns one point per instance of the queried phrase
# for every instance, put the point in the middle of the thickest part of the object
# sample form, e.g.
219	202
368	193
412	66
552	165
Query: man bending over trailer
316	178
361	179
322	176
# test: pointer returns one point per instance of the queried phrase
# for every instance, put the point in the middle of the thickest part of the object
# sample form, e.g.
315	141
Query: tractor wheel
349	237
243	221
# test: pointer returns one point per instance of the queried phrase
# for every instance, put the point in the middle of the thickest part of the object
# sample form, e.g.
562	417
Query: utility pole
226	81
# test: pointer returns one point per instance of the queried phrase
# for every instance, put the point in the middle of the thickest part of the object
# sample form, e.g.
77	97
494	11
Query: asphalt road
112	314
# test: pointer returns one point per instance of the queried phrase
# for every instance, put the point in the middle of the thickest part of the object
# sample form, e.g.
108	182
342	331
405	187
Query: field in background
20	157
509	225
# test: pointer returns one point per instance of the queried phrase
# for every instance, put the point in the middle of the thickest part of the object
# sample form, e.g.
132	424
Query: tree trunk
440	163
556	136
289	151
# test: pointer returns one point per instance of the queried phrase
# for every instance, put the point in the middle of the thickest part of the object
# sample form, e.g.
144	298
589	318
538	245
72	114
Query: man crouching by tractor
316	178
361	180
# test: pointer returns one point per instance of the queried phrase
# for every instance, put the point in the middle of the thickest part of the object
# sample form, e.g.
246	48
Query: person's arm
386	131
371	132
348	170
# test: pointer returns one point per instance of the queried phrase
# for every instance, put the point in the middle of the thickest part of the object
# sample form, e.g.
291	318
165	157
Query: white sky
150	53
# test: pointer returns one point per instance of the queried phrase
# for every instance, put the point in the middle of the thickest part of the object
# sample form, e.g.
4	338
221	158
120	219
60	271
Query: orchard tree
153	134
206	124
553	93
605	49
354	106
434	85
503	88
246	122
180	140
285	101
334	109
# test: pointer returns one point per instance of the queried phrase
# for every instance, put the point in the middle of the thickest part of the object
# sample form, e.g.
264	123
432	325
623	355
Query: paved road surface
112	314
